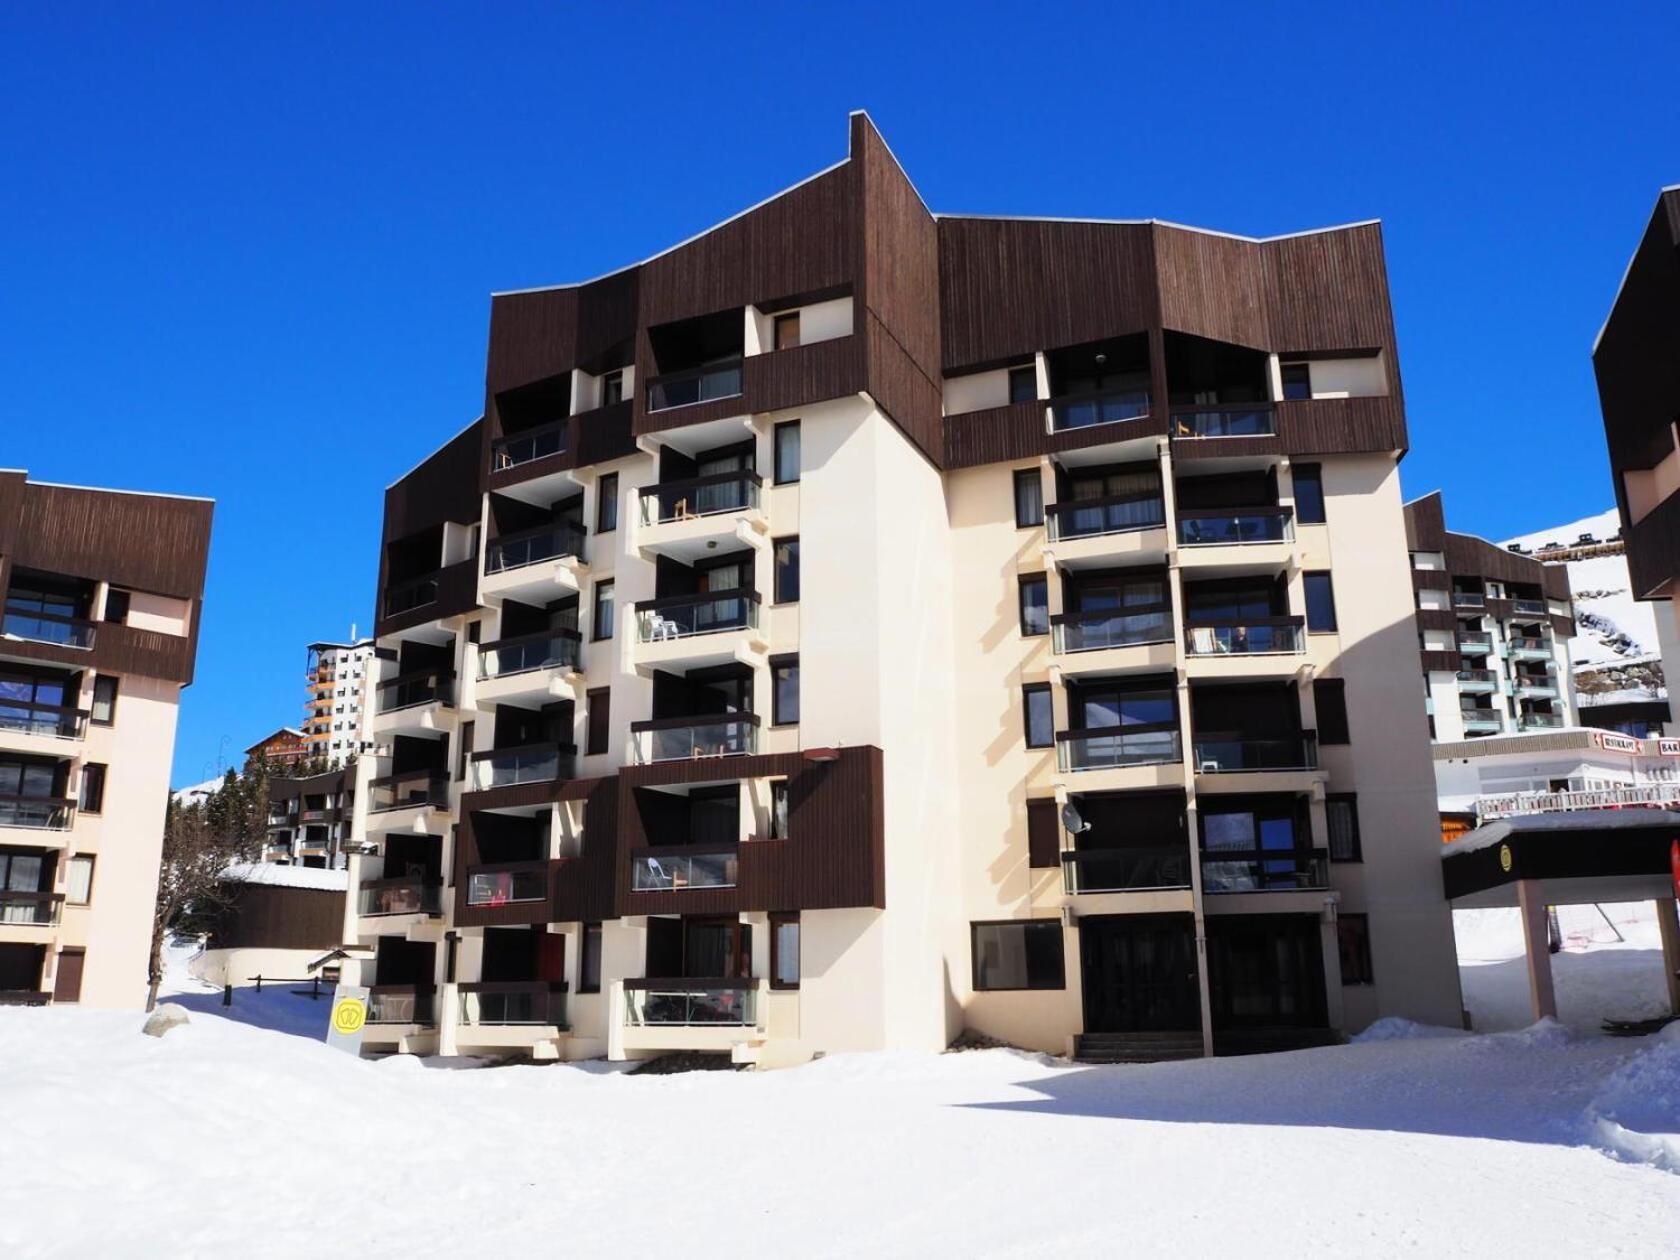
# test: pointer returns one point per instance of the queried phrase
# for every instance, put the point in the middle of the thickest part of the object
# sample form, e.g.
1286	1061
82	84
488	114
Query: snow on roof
1604	526
1569	820
194	791
277	876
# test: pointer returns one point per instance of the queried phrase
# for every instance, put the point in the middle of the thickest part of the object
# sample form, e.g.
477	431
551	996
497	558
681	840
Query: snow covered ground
228	1138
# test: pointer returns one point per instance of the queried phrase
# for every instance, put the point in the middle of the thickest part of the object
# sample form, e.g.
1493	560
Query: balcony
1128	868
1540	721
1239	763
1081	411
415	690
44	721
507	883
1093	518
412	594
378	898
528	664
22	622
534	565
30	909
1264	870
37	813
1477	680
1529	607
527	763
1224	420
696	631
695	385
1240	527
1475	643
401	1004
1528	648
1107	641
1116	748
686	519
685	1003
684	738
513	1003
528	446
1473	600
677	868
1250	636
1535	688
1653	795
410	789
1484	720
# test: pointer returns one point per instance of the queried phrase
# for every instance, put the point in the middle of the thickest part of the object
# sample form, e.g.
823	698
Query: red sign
1674	864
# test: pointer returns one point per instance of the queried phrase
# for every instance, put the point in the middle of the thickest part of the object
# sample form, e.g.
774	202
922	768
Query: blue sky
247	251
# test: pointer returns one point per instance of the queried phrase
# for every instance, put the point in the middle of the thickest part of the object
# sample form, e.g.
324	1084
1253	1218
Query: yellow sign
1505	858
348	1016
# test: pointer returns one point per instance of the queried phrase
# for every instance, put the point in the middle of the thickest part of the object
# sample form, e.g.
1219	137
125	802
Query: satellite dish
1072	821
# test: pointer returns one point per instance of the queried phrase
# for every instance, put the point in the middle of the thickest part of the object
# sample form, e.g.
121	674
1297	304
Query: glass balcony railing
1127	868
1483	719
675	869
1477	680
1540	721
529	763
1113	747
1083	410
1262	870
1090	518
407	691
1469	599
524	447
1478	644
400	1004
506	884
1222	527
1212	420
1107	628
1529	607
1258	636
408	790
31	909
26	717
689	1003
1218	754
46	627
679	739
1535	685
1529	646
521	654
681	616
496	1003
402	597
696	385
37	813
399	896
700	496
534	546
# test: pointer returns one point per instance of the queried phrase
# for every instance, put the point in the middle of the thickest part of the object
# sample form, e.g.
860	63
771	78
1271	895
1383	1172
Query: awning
1581	856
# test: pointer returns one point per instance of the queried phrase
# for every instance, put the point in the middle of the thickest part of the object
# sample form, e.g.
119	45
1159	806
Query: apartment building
100	595
335	723
1494	628
853	626
309	819
1639	393
1548	771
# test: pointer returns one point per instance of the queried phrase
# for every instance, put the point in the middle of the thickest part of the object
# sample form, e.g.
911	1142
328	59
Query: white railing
1661	795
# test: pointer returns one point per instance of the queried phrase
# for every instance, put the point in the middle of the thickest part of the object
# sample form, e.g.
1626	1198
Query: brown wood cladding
1653	550
267	916
1044	834
1437	619
1017	431
1438	662
1474	558
457	594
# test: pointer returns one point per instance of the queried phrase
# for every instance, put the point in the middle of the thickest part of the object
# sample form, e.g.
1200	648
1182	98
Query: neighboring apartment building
1638	369
736	669
1545	771
338	677
309	819
282	749
1493	627
100	596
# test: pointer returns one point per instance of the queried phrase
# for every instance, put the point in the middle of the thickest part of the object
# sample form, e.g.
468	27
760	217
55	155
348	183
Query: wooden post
1668	923
1531	898
227	995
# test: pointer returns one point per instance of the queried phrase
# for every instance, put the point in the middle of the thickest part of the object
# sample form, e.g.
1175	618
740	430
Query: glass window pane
1029	498
79	880
1321	604
1035	606
1039	717
787	952
787	452
787	571
1228	831
1309	494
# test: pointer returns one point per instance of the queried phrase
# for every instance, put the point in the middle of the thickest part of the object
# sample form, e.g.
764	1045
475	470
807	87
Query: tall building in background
100	597
851	627
335	722
1637	362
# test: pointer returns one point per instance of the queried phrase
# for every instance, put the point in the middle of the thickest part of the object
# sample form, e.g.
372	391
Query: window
1023	384
785	331
589	966
1309	494
787	452
1321	603
116	606
599	700
784	951
1029	498
603	610
1330	699
1020	955
1341	816
1035	605
465	753
784	692
104	700
787	571
475	632
779	809
92	798
1353	940
78	880
1297	380
606	504
1040	719
612	388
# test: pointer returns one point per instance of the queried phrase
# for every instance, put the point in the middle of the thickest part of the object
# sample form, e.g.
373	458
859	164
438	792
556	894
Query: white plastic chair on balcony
660	628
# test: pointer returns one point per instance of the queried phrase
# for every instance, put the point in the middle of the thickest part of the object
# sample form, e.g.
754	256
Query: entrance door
1266	971
1139	974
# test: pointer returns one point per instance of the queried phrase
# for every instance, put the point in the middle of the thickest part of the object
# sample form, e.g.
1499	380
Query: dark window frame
1300	369
780	919
597	700
122	598
777	436
1309	475
781	821
1351	800
1025	925
595	611
1023	477
92	860
609	382
587	955
463	754
93	708
1335	731
1330	590
1358	944
779	321
1023	583
88	771
778	593
606	503
1028	690
1025	372
783	669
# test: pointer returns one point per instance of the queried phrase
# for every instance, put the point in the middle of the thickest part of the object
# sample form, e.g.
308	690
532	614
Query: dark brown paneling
1212	286
457	594
805	374
1653	550
268	916
1635	361
447	486
1426	528
1329	291
1449	661
143	541
1431	579
1044	834
533	336
1017	431
1437	619
603	434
